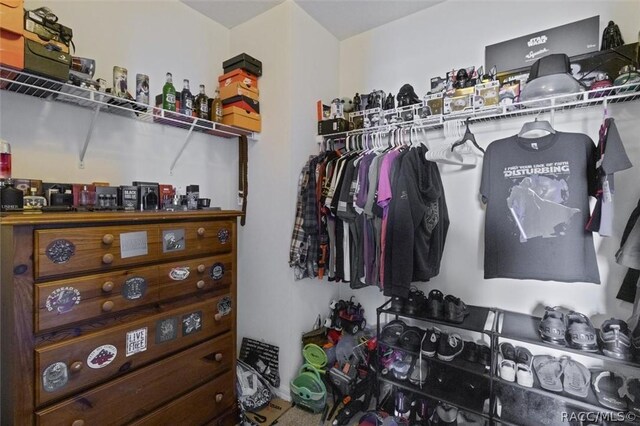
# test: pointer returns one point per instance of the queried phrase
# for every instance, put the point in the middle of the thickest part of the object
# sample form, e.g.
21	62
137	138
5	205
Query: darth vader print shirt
537	195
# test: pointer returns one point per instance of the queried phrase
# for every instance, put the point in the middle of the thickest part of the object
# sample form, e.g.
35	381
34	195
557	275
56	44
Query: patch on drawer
191	323
224	305
217	271
223	235
179	273
133	244
55	376
166	330
134	288
136	341
102	356
173	240
62	299
60	251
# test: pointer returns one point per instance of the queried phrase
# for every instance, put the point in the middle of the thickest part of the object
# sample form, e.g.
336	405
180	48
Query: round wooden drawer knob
200	284
76	366
201	268
107	259
107	239
107	306
217	316
219	397
200	231
78	423
107	286
218	357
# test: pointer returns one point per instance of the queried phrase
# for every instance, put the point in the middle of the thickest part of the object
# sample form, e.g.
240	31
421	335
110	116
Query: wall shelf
99	102
603	97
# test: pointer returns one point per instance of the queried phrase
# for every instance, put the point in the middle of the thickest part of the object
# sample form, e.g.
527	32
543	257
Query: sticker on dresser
191	323
224	305
102	356
223	235
136	341
179	273
55	376
60	251
166	330
134	288
173	240
63	299
133	244
217	271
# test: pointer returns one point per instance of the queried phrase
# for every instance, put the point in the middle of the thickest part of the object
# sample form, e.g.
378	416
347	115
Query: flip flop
581	334
507	351
524	360
549	370
577	379
553	326
508	370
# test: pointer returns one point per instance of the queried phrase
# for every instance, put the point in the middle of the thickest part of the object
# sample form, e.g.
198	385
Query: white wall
300	66
130	34
426	44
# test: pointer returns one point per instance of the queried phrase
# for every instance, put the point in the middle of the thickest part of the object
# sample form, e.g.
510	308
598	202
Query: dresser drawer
198	406
79	299
195	276
140	392
195	239
68	250
68	366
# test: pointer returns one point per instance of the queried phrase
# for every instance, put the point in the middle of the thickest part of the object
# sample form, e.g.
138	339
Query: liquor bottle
10	197
216	108
169	94
187	99
202	104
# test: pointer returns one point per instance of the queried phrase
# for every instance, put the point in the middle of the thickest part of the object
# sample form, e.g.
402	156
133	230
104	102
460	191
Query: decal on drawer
136	341
224	305
223	235
191	323
217	271
102	356
134	288
55	376
62	299
60	251
179	273
133	244
173	240
166	329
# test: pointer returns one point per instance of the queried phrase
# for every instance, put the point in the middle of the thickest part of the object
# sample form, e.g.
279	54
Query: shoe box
11	36
245	62
243	102
238	117
238	76
39	59
238	89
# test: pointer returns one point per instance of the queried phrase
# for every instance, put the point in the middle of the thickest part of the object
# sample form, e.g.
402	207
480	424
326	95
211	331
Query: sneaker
470	352
397	304
411	339
484	355
581	334
454	309
414	302
447	414
400	367
391	332
435	305
450	346
607	385
430	342
615	340
552	327
419	372
402	404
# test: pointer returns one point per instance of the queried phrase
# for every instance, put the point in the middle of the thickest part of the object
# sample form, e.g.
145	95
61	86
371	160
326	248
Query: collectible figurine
337	108
374	100
357	102
611	37
407	96
390	102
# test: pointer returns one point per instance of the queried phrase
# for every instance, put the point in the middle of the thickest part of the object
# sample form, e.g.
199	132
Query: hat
550	76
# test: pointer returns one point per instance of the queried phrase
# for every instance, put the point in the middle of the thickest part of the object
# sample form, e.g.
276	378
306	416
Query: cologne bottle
202	104
150	200
34	201
187	99
216	108
87	198
169	94
10	197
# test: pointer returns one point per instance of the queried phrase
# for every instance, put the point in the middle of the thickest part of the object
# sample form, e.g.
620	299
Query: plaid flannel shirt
298	248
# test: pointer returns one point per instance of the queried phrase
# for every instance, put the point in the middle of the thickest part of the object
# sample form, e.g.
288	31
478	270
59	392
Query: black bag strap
243	182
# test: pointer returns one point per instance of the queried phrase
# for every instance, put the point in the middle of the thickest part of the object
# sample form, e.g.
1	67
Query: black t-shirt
537	194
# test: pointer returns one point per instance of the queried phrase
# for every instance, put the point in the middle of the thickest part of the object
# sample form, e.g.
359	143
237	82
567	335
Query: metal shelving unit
99	102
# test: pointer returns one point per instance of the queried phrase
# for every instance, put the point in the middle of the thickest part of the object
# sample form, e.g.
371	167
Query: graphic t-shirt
537	194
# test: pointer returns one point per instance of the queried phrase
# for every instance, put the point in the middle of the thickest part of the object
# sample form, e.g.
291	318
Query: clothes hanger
468	137
539	125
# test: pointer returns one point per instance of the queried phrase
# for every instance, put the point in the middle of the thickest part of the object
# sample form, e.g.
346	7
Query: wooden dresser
118	318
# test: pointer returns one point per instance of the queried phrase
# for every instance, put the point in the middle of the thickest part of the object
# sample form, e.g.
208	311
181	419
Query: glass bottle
34	201
151	200
202	104
187	99
10	197
5	160
216	108
169	94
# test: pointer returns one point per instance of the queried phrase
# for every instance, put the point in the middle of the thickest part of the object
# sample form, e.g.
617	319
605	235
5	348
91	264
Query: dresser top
40	218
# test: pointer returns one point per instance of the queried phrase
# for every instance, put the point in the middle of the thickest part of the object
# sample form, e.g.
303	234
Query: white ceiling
342	18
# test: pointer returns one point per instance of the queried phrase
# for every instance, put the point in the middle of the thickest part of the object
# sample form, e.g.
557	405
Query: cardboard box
335	125
487	94
42	61
243	102
245	62
12	16
435	103
11	50
269	414
238	89
237	117
238	76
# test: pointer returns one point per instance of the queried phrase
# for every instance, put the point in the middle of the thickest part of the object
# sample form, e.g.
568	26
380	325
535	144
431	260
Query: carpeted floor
298	417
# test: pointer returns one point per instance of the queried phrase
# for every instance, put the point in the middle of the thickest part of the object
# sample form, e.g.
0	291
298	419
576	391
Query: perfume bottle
87	198
151	200
34	201
10	197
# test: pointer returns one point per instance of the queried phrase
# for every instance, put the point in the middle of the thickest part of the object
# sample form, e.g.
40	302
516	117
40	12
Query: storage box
11	50
47	29
57	45
245	62
435	103
39	60
487	94
243	102
238	89
238	76
11	16
237	117
128	197
326	127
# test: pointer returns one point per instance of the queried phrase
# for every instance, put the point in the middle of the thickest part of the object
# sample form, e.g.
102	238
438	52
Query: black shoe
581	334
411	339
615	340
484	355
414	302
430	342
435	305
470	352
402	404
397	304
450	346
633	395
392	332
454	309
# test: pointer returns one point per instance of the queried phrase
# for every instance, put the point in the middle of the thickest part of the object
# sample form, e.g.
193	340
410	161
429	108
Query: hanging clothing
629	255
